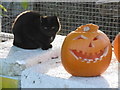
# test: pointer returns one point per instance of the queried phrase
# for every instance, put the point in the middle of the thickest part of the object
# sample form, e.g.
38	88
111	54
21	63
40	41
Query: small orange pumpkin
117	46
86	51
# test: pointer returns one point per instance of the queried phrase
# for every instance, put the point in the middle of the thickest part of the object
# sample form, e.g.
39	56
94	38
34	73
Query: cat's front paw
46	47
50	46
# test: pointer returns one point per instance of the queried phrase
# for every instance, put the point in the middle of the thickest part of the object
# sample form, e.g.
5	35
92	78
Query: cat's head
50	25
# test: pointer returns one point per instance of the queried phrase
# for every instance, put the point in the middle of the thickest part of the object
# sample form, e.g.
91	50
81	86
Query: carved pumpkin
86	51
117	47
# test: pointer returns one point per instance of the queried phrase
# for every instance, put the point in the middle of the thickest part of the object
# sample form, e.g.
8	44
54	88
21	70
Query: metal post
0	25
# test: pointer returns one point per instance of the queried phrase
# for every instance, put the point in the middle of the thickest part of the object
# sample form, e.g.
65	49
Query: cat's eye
52	27
45	27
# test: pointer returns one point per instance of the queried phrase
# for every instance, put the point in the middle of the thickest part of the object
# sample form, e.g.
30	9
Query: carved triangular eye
95	39
80	37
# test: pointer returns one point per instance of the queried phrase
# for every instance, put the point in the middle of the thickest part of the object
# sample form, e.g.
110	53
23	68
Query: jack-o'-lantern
86	51
117	46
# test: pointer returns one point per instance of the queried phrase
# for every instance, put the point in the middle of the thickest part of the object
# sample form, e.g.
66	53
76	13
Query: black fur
32	31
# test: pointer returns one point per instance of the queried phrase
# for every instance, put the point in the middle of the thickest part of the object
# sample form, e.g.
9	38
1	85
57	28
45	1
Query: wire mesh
13	9
71	14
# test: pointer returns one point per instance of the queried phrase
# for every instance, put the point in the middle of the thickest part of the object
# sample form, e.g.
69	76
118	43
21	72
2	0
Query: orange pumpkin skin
117	47
86	52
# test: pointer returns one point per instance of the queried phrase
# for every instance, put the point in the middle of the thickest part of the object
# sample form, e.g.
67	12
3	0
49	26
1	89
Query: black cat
32	31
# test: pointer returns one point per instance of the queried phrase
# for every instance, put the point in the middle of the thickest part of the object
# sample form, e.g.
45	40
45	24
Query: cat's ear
54	17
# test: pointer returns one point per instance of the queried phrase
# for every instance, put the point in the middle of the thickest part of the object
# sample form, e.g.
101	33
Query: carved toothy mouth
89	57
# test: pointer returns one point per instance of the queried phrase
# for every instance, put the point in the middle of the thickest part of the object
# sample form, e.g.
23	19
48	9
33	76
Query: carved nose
91	44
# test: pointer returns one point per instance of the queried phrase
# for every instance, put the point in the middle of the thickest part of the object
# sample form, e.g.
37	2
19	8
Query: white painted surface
52	75
40	71
14	60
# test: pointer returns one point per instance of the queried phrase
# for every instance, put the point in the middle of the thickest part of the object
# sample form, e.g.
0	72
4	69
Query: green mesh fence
71	14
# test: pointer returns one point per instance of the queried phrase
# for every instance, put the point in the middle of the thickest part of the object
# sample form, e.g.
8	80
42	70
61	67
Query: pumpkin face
86	51
117	47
